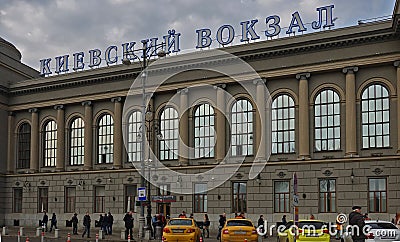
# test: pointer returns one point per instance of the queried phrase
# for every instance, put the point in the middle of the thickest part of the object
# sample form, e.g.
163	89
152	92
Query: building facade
334	121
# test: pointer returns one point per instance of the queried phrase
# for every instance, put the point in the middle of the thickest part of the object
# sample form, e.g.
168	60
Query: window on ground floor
327	195
281	196
239	197
377	195
17	200
99	197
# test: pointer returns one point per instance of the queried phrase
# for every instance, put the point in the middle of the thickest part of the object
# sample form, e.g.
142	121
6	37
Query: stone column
11	144
351	115
34	162
220	124
260	120
183	127
304	122
88	164
117	132
60	160
397	65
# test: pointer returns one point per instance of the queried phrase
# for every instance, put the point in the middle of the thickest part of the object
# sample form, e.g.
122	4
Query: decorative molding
327	173
130	179
281	174
87	103
59	107
397	63
70	181
200	177
239	176
33	110
116	99
377	171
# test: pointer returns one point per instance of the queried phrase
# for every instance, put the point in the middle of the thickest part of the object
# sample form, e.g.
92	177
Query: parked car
181	229
380	231
308	230
239	229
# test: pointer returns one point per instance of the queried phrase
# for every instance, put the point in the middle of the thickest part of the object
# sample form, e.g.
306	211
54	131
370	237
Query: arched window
50	143
375	116
204	133
24	146
169	128
327	121
77	142
242	128
283	121
106	139
134	147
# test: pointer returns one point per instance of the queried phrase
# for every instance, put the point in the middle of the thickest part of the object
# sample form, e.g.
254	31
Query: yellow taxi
306	231
239	229
181	229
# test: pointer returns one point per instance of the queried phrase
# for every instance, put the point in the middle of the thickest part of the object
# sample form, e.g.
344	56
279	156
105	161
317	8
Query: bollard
38	231
4	232
57	233
201	239
101	234
21	231
69	237
27	239
123	235
97	237
42	238
129	238
19	236
158	232
245	240
0	237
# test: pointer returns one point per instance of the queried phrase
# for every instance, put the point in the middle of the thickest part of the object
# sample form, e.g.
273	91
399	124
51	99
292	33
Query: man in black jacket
356	219
86	224
128	219
75	221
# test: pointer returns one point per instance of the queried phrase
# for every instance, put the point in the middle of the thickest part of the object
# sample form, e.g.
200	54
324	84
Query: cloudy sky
49	28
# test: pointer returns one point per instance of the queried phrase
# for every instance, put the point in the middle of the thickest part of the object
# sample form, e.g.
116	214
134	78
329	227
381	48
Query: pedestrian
182	215
100	222
221	221
110	223
357	220
206	226
339	228
128	219
53	222
104	225
260	225
366	216
86	225
284	222
241	215
75	222
155	223
191	216
45	220
312	217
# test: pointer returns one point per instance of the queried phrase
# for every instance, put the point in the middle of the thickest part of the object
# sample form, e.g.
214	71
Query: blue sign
224	35
141	194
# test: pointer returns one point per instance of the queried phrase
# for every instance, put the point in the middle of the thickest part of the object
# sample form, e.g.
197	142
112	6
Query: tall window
99	197
134	137
375	116
327	121
204	133
50	143
43	199
281	194
24	146
242	128
17	200
106	139
169	127
77	146
200	198
239	198
327	195
130	193
283	117
377	195
164	190
70	199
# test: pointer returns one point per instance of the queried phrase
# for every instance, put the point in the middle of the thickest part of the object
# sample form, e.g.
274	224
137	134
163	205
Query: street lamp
143	63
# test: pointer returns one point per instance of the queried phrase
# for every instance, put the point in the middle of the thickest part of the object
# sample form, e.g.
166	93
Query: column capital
33	110
183	91
397	63
350	70
58	107
116	99
303	76
259	81
87	103
220	86
11	113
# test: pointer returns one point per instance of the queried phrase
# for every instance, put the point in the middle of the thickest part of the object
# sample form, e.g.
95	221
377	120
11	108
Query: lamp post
143	125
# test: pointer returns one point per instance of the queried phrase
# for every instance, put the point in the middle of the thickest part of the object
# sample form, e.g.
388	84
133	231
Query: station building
335	121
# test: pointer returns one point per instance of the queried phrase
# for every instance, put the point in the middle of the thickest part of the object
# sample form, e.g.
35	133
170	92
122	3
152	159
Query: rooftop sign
224	35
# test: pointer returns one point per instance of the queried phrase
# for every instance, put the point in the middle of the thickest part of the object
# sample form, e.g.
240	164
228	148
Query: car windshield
310	225
382	225
239	223
186	222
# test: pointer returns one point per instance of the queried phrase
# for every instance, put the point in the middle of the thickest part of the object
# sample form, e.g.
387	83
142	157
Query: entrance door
164	208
